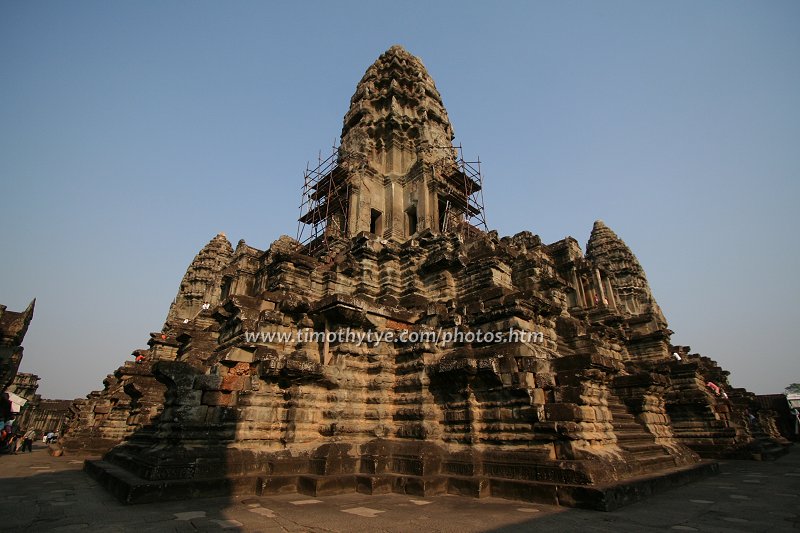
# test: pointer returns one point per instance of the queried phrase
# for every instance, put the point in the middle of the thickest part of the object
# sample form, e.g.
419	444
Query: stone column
423	203
397	225
610	293
601	292
579	296
585	297
434	204
352	214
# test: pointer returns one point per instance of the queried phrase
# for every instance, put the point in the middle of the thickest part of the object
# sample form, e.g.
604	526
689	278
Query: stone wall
592	400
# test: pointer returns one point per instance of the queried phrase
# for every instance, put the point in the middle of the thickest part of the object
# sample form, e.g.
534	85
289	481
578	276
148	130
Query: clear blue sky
132	132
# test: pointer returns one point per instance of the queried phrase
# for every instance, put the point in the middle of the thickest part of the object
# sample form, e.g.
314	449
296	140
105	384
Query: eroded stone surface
13	326
592	398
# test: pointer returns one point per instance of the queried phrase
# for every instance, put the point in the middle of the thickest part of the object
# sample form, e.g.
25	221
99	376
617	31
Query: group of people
13	440
12	437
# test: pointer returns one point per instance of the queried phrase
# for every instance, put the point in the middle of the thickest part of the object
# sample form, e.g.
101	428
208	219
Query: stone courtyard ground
43	493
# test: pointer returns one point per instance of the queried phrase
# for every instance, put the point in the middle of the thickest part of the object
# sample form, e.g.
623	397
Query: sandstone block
538	396
208	382
235	383
219	398
239	355
562	411
545	380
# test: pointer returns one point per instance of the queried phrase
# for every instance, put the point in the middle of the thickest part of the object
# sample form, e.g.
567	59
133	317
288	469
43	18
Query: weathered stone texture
40	414
13	327
589	402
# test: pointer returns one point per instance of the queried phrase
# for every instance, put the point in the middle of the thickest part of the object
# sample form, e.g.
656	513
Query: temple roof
396	104
610	252
14	325
200	281
214	255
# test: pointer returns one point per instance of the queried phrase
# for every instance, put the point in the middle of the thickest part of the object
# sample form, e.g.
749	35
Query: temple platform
54	494
131	489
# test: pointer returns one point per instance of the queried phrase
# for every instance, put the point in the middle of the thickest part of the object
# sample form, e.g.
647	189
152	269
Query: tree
794	388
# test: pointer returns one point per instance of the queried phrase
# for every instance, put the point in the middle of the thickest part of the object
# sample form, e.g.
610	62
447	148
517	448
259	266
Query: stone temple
595	409
13	326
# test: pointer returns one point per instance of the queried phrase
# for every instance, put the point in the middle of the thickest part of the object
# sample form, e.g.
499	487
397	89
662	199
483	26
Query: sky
131	133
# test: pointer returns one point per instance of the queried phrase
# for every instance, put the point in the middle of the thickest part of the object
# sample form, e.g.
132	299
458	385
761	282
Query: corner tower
396	171
647	327
611	253
202	283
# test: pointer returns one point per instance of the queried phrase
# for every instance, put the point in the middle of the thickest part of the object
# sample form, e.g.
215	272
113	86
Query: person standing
27	440
16	442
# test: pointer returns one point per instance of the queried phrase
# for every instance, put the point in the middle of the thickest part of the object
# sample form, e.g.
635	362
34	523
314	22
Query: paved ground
42	493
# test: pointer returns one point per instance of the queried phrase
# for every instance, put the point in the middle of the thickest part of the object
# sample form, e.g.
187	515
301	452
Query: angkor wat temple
596	409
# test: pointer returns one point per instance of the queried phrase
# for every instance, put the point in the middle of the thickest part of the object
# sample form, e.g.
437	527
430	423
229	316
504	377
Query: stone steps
634	438
643	448
766	449
628	427
663	461
621	414
131	489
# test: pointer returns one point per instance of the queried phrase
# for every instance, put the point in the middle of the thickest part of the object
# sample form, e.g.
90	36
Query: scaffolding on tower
464	208
325	201
323	204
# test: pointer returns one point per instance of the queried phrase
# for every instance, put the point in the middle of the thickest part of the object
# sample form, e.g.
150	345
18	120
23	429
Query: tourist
6	432
19	441
6	410
676	356
713	386
7	439
139	359
27	440
749	417
14	441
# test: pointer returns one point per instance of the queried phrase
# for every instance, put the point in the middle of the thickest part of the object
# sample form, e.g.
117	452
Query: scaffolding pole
324	202
324	195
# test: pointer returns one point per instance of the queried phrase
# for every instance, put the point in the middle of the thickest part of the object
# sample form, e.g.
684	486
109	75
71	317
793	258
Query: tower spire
396	116
626	274
202	283
396	172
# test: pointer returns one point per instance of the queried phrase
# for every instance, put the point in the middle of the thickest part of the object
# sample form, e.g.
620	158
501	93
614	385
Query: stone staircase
764	447
634	438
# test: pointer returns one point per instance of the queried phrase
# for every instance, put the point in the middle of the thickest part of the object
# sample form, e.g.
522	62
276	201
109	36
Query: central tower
396	171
